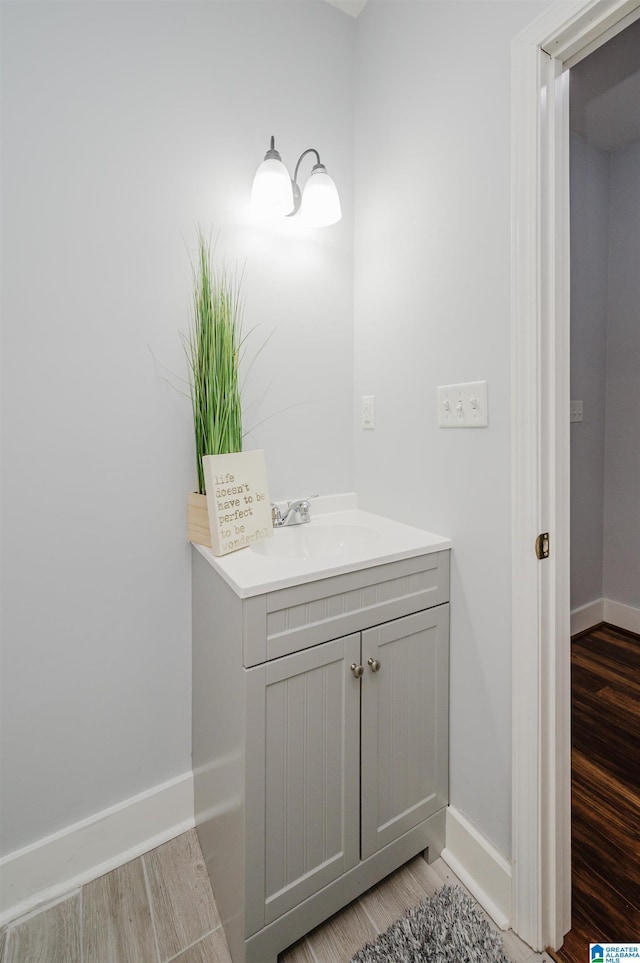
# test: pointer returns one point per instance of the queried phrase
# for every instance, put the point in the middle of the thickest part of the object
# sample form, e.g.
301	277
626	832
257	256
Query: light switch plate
575	411
368	412
463	405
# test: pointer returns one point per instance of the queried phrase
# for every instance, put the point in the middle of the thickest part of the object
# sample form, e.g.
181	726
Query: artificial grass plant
213	348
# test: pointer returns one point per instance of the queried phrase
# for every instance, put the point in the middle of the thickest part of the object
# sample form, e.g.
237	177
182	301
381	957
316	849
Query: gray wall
622	448
432	297
605	374
125	124
590	186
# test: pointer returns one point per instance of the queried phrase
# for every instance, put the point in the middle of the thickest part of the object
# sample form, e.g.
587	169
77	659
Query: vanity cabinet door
304	712
404	725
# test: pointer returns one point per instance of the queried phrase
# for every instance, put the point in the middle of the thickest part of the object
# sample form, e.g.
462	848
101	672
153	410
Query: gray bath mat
446	928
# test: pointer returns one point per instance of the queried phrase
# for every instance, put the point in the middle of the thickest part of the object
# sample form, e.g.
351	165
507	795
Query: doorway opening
604	115
542	56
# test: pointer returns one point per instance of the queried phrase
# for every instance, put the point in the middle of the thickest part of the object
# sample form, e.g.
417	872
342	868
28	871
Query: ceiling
352	7
605	92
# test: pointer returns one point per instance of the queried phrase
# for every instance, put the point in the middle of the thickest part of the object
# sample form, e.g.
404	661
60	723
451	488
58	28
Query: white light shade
320	204
272	194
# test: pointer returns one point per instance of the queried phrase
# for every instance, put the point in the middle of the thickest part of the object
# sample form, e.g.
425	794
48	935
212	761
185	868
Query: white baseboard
624	616
479	867
605	610
57	864
586	616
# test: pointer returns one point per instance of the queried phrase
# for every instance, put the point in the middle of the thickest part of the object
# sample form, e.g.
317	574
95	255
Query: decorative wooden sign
237	500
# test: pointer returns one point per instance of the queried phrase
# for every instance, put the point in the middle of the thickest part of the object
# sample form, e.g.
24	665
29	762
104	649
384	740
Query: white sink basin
307	541
340	538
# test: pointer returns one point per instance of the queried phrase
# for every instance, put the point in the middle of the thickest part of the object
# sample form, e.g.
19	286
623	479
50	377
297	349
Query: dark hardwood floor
605	821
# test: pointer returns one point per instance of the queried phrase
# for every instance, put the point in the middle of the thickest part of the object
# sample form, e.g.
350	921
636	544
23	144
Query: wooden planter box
239	508
198	520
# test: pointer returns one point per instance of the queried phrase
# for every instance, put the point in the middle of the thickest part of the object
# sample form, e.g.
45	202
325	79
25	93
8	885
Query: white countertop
339	538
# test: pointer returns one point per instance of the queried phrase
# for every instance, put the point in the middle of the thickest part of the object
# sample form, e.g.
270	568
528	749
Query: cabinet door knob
375	665
357	670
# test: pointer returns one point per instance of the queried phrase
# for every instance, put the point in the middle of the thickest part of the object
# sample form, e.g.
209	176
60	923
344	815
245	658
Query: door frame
541	759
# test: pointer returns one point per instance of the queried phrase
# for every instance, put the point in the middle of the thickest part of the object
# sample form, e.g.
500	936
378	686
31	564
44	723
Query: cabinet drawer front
304	615
307	721
404	725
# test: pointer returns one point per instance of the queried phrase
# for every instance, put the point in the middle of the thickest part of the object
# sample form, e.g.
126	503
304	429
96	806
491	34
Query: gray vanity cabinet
405	715
320	766
305	763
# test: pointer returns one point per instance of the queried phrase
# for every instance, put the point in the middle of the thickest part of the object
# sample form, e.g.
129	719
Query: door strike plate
542	545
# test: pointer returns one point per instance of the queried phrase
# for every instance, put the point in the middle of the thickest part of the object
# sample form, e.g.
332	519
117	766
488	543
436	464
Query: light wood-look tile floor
160	908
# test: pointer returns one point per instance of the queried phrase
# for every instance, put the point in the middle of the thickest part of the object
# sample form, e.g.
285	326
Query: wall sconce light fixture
275	194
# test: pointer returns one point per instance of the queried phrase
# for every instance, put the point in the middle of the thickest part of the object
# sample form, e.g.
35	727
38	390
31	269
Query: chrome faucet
296	513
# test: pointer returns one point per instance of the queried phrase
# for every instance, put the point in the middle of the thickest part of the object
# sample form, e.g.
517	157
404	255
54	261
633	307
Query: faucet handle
300	501
302	507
